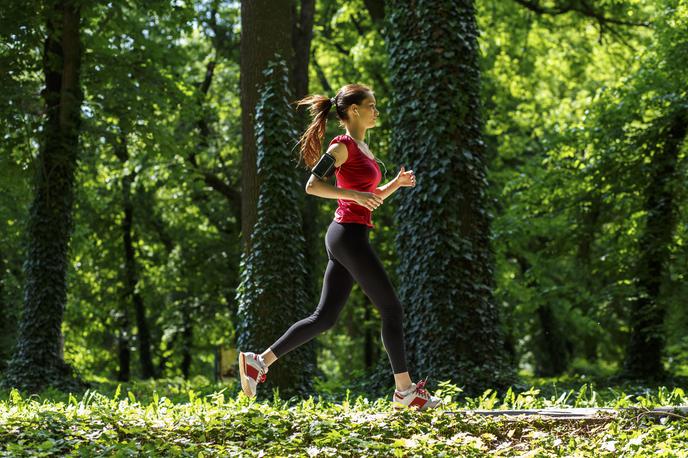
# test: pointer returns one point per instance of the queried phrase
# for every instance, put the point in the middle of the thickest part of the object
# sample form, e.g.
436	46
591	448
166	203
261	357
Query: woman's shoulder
342	138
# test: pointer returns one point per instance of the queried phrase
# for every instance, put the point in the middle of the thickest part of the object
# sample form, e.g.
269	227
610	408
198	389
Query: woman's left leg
337	285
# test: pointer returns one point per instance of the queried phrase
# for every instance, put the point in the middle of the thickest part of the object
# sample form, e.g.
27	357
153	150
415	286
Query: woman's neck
357	133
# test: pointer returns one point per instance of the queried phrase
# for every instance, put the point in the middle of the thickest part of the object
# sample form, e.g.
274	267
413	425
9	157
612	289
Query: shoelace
261	372
419	388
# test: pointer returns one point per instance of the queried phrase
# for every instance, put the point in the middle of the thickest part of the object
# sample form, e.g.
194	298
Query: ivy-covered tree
272	292
443	226
38	359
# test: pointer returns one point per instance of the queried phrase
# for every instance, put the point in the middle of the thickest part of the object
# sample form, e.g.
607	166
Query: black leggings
351	258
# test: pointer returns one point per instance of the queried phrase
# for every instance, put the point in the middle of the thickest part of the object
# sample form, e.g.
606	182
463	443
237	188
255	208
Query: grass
174	417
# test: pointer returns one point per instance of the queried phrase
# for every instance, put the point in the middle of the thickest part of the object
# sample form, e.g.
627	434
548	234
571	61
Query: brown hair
319	107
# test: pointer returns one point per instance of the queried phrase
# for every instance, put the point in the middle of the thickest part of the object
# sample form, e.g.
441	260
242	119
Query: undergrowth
174	417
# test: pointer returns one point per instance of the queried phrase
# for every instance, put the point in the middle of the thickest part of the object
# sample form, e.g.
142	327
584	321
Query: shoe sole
399	406
242	375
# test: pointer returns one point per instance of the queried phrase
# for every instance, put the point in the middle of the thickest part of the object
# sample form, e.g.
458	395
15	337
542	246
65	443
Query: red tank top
360	173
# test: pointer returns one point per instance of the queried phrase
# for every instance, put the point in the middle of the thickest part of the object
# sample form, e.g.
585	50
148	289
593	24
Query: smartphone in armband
325	167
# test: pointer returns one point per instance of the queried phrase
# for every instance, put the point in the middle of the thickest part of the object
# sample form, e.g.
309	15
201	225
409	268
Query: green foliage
178	418
574	123
142	85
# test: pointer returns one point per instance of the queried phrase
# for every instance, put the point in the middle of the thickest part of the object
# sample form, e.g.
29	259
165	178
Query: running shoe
415	397
252	370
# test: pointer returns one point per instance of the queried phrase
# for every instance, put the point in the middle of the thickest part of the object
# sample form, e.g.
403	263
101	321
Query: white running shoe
252	371
415	397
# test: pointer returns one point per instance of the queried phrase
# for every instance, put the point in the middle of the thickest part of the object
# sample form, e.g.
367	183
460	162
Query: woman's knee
323	321
392	311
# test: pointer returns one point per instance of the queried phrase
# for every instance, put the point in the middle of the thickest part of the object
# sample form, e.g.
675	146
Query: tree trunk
130	269
6	334
123	353
443	228
302	36
644	353
187	340
554	349
265	30
588	221
551	348
36	362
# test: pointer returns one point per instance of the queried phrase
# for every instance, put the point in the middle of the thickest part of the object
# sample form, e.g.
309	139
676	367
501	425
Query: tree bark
265	30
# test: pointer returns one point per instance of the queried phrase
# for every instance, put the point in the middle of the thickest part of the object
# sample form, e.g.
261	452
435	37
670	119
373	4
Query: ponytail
319	107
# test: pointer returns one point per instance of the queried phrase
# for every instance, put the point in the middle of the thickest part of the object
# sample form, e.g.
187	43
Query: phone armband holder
325	167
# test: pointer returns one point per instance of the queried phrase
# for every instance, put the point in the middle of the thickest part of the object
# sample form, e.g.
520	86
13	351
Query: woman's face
367	112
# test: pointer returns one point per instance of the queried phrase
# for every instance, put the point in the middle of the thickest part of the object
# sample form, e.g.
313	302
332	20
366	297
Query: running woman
350	255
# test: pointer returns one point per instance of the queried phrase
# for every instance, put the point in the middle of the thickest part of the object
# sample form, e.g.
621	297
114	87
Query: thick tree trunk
130	269
644	352
37	362
265	30
443	228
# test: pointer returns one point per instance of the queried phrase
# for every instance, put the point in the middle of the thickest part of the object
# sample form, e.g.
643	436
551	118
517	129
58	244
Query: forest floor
174	417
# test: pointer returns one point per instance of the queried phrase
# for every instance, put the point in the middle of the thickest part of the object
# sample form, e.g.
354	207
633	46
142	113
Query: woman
351	258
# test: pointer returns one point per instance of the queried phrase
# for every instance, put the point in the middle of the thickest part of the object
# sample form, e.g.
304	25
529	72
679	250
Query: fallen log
591	413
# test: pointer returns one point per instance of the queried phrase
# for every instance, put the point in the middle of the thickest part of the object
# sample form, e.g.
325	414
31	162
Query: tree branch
581	7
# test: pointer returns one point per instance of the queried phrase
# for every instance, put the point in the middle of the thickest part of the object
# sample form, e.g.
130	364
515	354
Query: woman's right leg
350	245
337	285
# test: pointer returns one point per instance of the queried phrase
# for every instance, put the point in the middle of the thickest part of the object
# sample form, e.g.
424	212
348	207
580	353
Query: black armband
325	167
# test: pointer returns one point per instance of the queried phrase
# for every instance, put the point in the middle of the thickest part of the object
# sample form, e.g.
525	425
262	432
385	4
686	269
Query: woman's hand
368	199
406	178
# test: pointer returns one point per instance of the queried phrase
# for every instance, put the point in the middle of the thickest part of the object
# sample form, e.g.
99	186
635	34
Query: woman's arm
322	188
388	189
403	178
